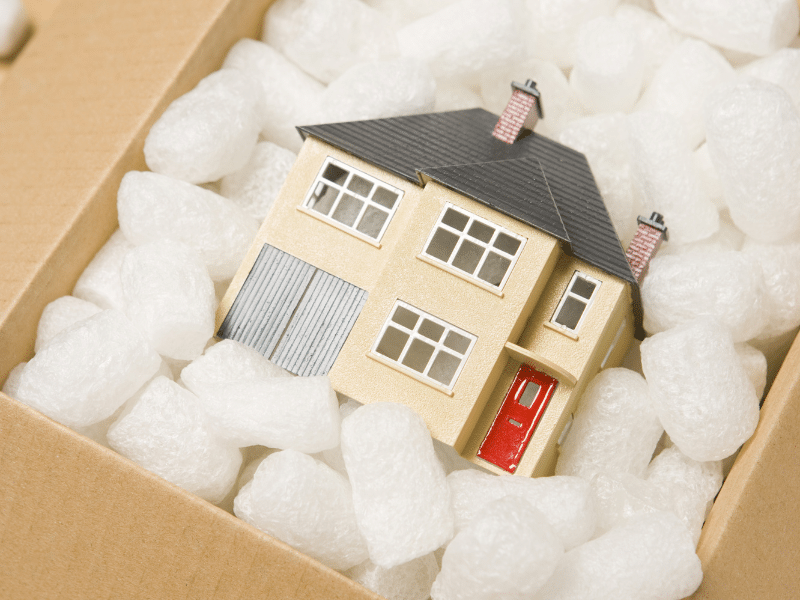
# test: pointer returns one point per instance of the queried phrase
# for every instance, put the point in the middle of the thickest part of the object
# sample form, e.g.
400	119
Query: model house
474	276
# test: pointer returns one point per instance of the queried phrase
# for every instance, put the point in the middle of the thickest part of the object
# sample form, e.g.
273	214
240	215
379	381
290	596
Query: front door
517	418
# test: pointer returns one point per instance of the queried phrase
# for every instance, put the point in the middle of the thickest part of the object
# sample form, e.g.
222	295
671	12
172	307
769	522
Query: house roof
457	149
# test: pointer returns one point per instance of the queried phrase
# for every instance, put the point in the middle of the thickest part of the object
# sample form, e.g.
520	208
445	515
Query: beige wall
581	357
318	242
490	317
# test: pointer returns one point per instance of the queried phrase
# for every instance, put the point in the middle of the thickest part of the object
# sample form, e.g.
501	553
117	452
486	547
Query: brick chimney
645	244
519	112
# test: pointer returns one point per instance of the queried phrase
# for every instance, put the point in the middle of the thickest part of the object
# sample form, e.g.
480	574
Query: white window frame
341	189
413	334
568	293
487	246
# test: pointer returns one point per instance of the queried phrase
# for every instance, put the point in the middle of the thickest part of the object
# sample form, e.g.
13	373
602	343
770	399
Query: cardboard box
77	520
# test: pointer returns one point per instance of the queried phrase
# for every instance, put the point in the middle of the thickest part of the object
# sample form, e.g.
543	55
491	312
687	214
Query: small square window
477	248
353	200
431	348
575	302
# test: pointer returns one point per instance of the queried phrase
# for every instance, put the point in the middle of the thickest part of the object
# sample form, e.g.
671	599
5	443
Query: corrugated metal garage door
293	313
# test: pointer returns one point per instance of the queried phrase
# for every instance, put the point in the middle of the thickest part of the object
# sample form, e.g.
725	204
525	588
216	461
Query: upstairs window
473	246
352	200
424	344
575	302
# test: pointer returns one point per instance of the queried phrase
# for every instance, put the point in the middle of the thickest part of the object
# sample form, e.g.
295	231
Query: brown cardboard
38	12
78	521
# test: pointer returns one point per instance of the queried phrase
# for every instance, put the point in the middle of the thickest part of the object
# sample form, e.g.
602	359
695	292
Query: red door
517	418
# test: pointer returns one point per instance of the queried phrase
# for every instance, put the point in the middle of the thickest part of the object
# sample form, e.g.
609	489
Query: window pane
468	257
335	174
359	185
456	341
481	231
442	244
494	269
347	210
583	287
570	313
418	355
392	343
384	197
405	317
455	219
529	394
507	244
323	198
432	331
444	367
372	222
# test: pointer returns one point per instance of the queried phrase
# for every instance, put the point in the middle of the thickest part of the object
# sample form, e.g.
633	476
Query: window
575	301
424	344
353	200
474	246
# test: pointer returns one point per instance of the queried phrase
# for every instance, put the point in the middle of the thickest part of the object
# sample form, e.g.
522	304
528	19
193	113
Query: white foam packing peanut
615	428
605	140
170	297
379	89
208	132
647	556
700	389
333	456
554	26
508	551
665	178
755	365
306	504
566	502
723	284
559	101
298	413
256	185
452	95
609	65
683	82
400	494
153	207
289	96
88	370
620	496
226	362
689	485
657	39
466	37
753	136
780	265
409	581
166	432
100	283
758	28
781	68
60	314
14	24
327	37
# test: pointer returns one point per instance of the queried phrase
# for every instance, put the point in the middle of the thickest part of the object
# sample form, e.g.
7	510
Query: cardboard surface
750	545
78	521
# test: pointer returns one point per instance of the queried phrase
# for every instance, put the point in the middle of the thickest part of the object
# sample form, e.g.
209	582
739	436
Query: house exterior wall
518	314
492	318
581	356
318	242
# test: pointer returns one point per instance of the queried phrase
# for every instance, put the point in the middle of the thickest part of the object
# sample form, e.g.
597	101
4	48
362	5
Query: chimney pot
524	109
645	244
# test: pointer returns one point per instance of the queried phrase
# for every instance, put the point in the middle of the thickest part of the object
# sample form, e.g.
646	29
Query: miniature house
476	278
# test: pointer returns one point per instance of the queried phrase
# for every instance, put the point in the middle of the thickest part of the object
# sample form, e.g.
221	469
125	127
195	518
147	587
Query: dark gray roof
462	141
